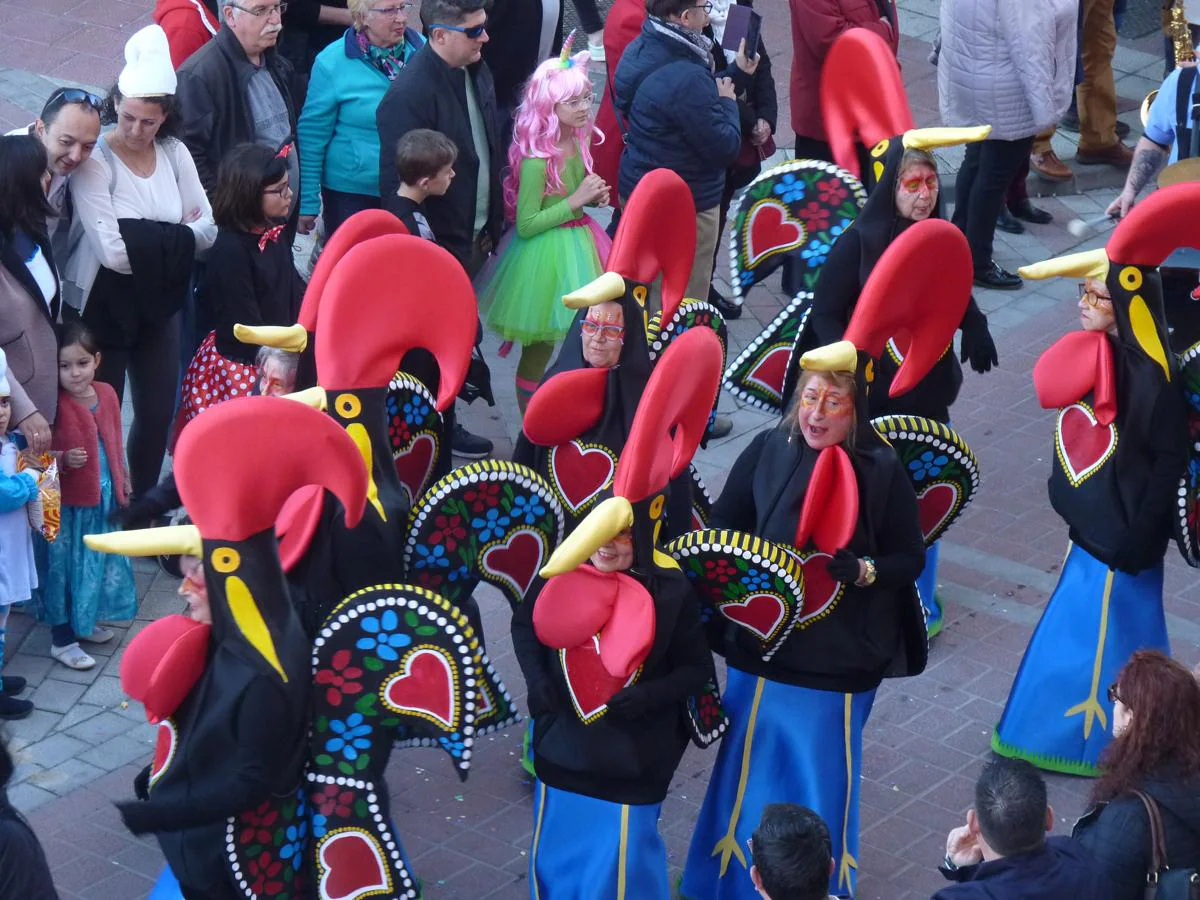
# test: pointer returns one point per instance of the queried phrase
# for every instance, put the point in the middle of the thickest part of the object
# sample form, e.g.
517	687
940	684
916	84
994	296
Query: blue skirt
589	849
927	590
785	744
1058	716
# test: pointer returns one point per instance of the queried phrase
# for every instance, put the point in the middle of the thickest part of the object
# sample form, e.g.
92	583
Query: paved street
927	736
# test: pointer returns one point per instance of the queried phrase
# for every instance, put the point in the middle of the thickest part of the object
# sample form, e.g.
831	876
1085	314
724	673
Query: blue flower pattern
382	641
491	525
790	189
462	573
350	736
294	841
529	509
320	825
431	558
415	410
755	580
453	744
928	465
814	254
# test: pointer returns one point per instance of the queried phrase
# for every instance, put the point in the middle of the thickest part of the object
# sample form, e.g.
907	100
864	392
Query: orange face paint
826	400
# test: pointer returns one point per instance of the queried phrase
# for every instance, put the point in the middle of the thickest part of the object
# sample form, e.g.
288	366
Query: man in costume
1121	444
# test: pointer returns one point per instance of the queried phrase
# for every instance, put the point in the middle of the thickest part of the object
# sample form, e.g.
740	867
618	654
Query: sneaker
10	685
596	46
1050	167
727	308
1117	155
997	278
1007	222
721	426
99	635
12	708
72	656
469	446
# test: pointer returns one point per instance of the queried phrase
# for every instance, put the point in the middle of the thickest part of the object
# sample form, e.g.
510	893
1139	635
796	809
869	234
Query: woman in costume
557	247
801	682
1121	445
612	650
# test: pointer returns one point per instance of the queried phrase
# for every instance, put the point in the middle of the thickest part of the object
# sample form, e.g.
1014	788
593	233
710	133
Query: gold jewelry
868	579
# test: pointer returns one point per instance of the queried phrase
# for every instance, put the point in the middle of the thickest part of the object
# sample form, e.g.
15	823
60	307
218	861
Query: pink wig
537	129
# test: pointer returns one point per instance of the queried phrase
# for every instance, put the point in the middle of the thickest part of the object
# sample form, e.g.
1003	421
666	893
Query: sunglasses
474	32
1092	297
610	332
914	185
63	96
1113	696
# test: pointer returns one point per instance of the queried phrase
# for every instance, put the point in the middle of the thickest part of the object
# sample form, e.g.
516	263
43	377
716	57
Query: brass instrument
1176	27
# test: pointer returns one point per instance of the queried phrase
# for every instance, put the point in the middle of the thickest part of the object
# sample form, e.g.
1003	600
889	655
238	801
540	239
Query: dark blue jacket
1060	870
666	93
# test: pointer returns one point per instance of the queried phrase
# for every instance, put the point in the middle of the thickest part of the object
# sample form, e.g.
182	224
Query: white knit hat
148	71
5	390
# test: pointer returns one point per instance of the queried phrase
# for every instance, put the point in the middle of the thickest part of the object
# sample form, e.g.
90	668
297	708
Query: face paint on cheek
832	404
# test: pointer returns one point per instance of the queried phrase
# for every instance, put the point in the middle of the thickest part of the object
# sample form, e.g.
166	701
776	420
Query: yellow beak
609	286
932	138
841	356
602	524
183	540
290	337
1088	264
313	396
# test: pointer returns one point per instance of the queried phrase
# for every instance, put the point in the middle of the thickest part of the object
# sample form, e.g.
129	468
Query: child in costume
556	247
425	165
18	576
251	277
83	586
1121	444
613	650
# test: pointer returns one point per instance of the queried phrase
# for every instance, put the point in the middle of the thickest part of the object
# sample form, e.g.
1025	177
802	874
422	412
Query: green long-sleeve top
538	211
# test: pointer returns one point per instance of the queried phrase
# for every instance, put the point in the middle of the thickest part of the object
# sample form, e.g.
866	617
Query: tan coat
27	338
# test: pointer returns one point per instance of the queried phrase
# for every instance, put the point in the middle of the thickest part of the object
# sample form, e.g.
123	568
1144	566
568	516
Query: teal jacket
338	138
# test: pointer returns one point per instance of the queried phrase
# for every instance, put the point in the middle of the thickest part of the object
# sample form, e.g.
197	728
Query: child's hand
306	224
75	458
589	193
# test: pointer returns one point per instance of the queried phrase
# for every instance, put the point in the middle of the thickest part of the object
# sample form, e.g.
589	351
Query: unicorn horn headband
564	58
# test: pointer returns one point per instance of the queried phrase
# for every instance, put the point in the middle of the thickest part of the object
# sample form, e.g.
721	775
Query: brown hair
843	381
422	153
1164	731
246	171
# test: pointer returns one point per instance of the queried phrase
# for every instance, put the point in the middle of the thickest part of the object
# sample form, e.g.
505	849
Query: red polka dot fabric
211	379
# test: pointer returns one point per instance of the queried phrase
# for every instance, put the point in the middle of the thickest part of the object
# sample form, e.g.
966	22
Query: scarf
699	44
388	60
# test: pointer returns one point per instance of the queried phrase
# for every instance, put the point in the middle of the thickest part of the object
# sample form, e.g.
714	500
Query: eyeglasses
1113	696
63	96
584	101
914	185
282	191
261	11
391	12
609	332
707	7
1093	298
474	32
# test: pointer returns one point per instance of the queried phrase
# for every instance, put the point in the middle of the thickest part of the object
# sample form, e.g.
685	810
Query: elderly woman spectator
339	160
145	216
29	289
1014	73
1155	750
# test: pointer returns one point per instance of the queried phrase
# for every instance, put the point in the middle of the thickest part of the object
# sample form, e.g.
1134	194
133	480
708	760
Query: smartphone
742	22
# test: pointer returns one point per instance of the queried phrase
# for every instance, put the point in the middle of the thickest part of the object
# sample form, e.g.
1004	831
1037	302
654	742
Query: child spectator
18	576
251	277
425	165
792	856
84	586
556	248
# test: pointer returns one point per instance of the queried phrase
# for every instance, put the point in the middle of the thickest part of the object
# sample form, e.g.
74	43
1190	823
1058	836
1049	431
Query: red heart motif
515	562
770	230
588	682
1083	443
937	503
580	473
414	463
821	591
770	370
425	686
164	749
352	866
761	614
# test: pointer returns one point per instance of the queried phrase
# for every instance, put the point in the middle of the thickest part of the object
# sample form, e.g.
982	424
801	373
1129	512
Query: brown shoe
1050	167
1117	155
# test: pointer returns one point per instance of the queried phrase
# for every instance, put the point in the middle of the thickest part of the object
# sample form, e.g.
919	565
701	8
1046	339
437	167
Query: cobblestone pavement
927	736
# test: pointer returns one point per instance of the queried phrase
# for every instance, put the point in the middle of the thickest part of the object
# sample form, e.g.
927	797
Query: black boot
727	308
11	685
1030	213
1006	222
12	708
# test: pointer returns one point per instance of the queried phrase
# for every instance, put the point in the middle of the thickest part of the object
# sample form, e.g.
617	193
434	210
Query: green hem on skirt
1047	763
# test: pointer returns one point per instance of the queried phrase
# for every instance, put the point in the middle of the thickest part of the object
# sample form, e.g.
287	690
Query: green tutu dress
552	251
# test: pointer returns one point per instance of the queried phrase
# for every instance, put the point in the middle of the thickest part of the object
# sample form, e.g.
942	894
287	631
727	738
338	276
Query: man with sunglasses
447	87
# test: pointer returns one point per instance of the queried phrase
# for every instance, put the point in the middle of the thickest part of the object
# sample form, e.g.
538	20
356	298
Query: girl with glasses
251	277
555	247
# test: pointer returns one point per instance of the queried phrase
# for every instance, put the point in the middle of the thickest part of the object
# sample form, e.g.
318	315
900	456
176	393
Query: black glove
141	784
544	697
139	817
978	348
634	702
844	567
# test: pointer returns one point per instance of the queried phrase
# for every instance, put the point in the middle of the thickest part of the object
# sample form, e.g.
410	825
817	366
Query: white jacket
1007	63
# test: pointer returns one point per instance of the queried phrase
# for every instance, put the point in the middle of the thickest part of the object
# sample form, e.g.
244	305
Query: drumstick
1080	227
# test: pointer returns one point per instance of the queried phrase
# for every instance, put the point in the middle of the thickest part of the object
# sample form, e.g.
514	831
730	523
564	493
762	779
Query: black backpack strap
1185	124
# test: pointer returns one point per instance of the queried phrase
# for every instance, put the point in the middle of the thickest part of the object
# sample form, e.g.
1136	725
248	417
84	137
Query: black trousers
983	181
589	16
338	206
152	365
